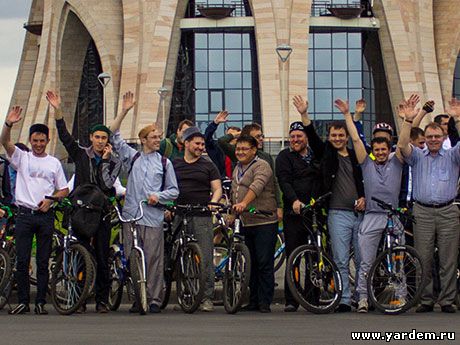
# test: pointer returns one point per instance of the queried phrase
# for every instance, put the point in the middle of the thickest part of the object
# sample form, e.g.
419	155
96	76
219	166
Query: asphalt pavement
175	327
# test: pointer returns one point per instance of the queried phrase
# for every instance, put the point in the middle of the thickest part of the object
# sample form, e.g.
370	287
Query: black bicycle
312	275
183	261
396	277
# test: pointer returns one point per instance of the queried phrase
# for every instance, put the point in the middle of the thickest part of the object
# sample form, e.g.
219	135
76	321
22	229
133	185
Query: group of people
421	170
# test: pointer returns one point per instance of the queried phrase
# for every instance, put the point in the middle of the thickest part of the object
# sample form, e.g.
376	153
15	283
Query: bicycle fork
140	251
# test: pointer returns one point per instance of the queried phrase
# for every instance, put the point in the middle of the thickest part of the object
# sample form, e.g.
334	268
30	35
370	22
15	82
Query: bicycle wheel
280	251
71	279
395	280
315	285
5	292
116	276
138	280
190	278
236	281
6	267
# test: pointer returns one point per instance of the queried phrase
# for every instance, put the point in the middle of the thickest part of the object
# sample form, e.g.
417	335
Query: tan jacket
258	178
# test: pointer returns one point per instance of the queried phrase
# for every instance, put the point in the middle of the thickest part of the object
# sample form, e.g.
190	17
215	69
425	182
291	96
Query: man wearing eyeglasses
151	177
435	173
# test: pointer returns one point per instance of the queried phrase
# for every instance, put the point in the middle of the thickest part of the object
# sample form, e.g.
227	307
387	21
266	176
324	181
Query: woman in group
253	186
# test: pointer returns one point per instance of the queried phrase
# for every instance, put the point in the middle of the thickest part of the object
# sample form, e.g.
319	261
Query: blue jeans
343	228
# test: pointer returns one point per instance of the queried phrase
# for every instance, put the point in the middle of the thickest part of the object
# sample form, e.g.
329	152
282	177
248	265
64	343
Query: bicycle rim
316	287
395	280
138	280
190	281
116	276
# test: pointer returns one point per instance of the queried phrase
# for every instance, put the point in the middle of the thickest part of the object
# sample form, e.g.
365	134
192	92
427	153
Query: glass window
247	101
354	59
310	59
322	60
216	41
217	101
339	93
216	80
311	100
354	40
232	41
339	40
354	95
233	60
201	80
323	79
354	79
246	60
247	80
339	60
201	41
311	80
322	40
246	42
201	60
216	60
233	101
233	80
339	79
201	101
323	101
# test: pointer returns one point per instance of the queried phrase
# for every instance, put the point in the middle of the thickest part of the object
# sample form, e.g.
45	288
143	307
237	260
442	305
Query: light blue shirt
434	177
144	180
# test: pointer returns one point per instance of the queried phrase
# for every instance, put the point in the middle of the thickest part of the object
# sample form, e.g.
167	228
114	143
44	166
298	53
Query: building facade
208	55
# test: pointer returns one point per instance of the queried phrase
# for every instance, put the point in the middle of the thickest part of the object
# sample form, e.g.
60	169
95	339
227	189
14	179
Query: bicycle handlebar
131	220
317	202
386	206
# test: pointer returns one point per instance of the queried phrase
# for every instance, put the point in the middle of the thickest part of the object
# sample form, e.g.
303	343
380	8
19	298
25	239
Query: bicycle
183	261
74	273
131	273
396	278
7	256
280	249
234	269
312	275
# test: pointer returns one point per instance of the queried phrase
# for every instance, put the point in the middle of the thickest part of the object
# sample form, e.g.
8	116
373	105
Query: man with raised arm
298	172
151	177
435	172
379	176
98	166
38	175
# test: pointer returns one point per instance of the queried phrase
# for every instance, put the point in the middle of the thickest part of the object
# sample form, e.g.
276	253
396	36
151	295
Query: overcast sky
13	14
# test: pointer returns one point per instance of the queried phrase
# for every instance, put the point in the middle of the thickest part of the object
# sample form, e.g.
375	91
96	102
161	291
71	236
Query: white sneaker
363	306
207	306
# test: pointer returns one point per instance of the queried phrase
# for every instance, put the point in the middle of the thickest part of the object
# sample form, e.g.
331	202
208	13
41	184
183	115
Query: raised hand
342	105
222	117
413	100
408	109
300	104
454	108
400	110
128	101
14	115
53	99
360	106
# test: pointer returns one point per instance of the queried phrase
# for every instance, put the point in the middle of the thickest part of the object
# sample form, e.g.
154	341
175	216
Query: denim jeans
343	228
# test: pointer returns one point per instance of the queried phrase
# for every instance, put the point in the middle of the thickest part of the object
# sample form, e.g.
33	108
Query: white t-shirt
36	177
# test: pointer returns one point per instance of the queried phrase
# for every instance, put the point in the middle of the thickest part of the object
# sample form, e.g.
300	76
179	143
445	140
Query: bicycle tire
6	267
383	287
116	280
313	292
166	289
279	260
190	278
237	275
69	292
138	280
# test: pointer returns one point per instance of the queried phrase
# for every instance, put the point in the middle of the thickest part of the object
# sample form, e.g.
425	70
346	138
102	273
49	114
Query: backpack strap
164	161
168	148
136	156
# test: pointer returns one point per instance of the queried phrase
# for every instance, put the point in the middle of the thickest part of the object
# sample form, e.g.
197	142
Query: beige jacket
259	178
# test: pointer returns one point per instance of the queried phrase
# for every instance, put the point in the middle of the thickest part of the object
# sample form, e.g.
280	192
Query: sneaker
207	306
134	309
289	308
102	308
363	306
19	309
40	309
154	309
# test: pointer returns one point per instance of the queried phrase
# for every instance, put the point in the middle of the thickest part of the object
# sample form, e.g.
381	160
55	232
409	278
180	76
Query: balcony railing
240	8
321	8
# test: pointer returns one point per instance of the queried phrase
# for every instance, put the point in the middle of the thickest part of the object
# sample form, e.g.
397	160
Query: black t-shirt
194	180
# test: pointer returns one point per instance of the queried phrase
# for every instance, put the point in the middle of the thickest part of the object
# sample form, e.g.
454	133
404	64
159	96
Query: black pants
261	241
295	235
42	226
100	250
